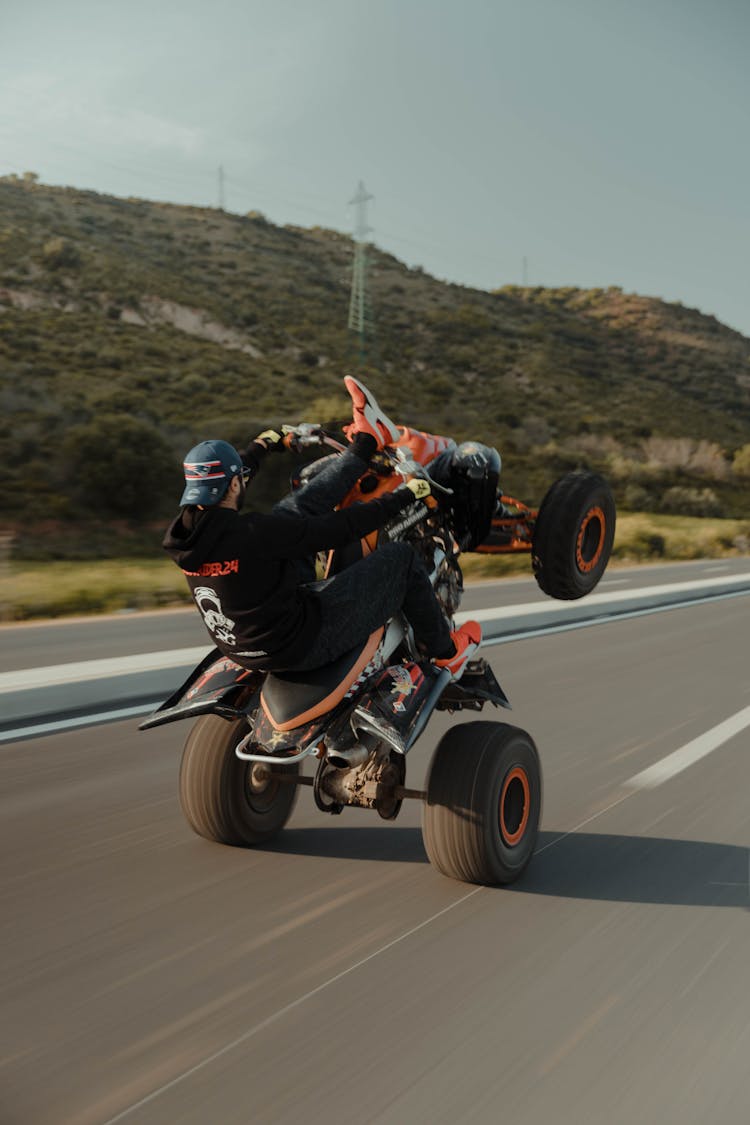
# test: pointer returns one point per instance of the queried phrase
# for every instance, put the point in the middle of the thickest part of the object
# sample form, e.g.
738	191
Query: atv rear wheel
224	798
484	801
573	535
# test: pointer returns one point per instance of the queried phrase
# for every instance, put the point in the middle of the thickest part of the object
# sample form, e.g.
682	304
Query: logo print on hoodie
216	621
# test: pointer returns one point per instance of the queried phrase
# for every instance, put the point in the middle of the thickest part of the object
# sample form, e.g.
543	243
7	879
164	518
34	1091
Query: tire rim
515	806
590	541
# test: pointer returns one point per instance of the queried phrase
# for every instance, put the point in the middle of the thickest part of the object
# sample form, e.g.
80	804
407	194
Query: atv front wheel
573	535
484	801
224	798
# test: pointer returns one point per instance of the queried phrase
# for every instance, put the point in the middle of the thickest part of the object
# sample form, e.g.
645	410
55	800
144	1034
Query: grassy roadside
58	589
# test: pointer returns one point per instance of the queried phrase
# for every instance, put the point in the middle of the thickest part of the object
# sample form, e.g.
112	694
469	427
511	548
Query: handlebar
308	434
407	467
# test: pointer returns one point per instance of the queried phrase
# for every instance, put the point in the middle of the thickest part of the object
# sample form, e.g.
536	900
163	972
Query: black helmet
474	477
476	461
209	467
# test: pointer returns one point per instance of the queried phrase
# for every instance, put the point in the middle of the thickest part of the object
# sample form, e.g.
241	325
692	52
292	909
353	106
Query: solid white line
595	816
35	730
608	619
691	753
56	674
595	605
286	1009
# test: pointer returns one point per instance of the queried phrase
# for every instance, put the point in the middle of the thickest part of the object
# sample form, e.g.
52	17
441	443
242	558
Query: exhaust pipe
365	723
348	759
371	733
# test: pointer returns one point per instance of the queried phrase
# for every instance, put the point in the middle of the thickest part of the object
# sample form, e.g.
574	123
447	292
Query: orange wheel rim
590	541
515	806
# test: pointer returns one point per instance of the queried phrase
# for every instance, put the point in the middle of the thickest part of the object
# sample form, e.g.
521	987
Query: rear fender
476	687
217	686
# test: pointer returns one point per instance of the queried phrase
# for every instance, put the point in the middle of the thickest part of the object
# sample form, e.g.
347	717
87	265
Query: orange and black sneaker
368	417
467	640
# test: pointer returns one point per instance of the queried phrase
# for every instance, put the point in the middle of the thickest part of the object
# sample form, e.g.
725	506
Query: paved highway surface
147	976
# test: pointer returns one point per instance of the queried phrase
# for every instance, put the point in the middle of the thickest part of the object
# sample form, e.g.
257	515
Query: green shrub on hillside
118	464
741	462
59	253
681	501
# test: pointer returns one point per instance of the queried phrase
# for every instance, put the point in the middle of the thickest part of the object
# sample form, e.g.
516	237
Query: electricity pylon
361	321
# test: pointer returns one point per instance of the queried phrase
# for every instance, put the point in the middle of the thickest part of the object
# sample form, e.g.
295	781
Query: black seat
291	699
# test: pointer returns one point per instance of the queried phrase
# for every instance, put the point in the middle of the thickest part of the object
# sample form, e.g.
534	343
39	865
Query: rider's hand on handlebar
420	488
271	440
308	435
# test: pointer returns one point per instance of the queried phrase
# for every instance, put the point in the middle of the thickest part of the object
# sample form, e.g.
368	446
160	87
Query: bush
119	464
690	502
637	499
700	458
741	462
59	253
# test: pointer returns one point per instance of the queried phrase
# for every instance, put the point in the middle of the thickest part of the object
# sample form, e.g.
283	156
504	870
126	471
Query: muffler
348	759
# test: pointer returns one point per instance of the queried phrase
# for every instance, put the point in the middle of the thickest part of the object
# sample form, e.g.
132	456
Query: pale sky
604	141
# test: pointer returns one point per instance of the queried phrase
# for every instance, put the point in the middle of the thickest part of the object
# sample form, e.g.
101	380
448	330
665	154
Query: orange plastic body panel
423	447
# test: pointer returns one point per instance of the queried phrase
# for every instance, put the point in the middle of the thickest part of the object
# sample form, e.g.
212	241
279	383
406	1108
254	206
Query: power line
258	188
144	173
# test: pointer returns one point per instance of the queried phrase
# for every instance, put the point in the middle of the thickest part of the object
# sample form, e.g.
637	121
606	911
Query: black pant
366	594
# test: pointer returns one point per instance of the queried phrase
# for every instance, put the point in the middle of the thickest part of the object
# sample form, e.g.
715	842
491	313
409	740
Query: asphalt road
88	638
148	976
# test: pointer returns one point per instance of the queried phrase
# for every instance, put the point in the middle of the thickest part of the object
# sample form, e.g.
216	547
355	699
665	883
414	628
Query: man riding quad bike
348	669
260	567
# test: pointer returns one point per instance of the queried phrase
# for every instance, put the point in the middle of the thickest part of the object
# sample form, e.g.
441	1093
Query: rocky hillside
128	329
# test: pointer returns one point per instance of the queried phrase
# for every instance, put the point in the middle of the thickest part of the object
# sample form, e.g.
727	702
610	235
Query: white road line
608	619
277	1015
332	980
691	753
595	816
54	675
36	730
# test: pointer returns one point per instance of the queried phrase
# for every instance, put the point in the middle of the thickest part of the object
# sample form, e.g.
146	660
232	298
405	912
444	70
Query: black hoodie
242	573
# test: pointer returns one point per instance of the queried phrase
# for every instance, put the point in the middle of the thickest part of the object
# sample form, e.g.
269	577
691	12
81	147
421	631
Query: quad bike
359	717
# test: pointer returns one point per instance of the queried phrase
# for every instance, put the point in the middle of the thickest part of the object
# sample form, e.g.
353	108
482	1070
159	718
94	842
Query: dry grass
57	589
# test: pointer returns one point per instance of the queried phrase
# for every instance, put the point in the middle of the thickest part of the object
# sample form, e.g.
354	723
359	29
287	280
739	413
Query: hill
130	329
